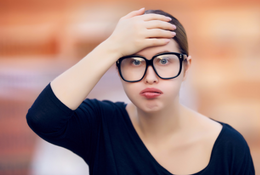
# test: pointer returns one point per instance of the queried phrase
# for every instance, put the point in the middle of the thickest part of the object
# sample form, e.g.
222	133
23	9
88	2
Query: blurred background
39	39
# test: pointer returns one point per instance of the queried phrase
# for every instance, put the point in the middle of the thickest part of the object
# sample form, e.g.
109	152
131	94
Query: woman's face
165	92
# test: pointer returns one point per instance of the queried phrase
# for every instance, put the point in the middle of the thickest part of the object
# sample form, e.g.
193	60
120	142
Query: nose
150	76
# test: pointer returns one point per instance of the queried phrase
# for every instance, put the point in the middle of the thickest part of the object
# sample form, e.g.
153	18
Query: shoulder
233	149
228	147
232	140
225	137
223	133
233	146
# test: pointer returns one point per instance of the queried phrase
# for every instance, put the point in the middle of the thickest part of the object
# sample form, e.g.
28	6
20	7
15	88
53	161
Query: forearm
133	33
73	86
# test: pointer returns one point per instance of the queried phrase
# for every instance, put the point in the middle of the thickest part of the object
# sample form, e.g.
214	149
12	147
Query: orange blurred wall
40	39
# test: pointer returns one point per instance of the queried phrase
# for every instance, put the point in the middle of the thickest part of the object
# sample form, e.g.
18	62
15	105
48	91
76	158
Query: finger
156	42
159	25
134	13
152	16
159	33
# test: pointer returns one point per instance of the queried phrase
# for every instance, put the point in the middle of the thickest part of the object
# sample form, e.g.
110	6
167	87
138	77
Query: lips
151	93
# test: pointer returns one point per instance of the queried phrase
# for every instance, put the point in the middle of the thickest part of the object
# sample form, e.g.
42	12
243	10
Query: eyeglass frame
150	63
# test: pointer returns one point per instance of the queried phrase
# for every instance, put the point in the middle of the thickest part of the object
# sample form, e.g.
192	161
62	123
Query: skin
140	31
180	140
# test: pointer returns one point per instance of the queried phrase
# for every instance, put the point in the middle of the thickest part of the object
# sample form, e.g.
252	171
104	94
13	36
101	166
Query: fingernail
141	9
173	33
169	18
173	26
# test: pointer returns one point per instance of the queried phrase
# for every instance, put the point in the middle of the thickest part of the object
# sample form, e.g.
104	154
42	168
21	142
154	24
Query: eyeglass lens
166	66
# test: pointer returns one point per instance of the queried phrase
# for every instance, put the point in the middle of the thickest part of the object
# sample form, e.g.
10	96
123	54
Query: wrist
111	48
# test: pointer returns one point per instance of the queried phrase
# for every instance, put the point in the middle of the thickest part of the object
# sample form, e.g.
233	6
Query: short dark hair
181	37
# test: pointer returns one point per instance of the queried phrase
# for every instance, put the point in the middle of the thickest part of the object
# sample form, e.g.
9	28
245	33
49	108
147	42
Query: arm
76	130
56	116
133	33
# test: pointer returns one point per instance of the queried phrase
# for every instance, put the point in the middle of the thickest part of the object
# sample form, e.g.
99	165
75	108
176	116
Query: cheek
125	87
172	87
130	89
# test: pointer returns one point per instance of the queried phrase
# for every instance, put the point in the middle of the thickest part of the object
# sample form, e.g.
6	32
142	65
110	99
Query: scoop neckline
156	162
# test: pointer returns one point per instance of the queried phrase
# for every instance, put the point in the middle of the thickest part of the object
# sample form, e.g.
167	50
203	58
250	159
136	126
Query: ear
186	67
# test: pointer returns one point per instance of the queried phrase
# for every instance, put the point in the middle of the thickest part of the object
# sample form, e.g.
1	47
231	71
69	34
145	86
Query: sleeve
54	122
241	162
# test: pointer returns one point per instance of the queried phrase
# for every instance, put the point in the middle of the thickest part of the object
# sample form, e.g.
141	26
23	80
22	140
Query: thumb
134	13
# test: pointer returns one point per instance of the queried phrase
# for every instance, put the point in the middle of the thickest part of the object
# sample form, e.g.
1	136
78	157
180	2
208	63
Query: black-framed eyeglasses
166	65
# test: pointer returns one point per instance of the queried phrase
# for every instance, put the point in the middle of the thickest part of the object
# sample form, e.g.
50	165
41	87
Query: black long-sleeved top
102	134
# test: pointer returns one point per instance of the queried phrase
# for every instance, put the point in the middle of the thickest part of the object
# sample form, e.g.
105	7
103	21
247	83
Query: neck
159	125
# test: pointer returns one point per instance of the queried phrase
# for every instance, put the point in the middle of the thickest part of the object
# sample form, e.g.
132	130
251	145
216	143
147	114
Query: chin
151	107
148	105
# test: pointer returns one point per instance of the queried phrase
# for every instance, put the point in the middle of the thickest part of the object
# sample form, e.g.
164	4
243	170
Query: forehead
149	52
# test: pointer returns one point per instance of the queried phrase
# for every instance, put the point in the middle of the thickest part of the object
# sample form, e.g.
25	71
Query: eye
164	61
136	62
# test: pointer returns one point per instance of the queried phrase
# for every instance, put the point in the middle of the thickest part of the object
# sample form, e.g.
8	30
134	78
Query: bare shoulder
203	121
207	128
209	125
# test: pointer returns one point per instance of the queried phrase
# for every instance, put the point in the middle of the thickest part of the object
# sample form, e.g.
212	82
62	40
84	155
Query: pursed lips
151	93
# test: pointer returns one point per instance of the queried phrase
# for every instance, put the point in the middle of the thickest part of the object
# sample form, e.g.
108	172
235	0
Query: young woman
153	135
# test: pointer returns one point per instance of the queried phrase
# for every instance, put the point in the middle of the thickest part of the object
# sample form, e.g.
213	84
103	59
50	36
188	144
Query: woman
154	134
